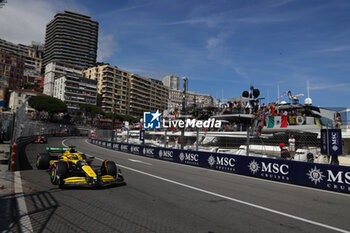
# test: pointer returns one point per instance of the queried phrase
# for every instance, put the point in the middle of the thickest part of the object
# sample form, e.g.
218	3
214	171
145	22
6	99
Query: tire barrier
13	157
16	151
322	176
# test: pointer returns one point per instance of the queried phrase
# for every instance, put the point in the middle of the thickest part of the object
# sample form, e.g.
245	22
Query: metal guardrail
322	176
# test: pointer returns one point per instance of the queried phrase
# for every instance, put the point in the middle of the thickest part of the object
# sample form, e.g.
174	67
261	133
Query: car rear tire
42	161
109	168
59	172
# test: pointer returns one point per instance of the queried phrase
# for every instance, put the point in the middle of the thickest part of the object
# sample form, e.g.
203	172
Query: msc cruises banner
324	176
331	142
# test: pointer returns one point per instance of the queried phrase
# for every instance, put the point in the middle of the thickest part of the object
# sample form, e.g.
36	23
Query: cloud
215	42
329	86
25	21
340	48
217	51
239	72
279	3
209	21
107	46
125	9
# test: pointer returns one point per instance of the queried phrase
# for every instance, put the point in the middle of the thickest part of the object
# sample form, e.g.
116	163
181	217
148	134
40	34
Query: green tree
27	86
47	103
108	115
131	119
90	109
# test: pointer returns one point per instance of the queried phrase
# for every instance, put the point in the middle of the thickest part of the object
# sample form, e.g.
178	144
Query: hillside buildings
11	69
68	62
32	55
19	64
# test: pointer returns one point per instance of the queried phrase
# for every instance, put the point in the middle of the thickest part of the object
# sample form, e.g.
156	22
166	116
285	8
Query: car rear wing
57	149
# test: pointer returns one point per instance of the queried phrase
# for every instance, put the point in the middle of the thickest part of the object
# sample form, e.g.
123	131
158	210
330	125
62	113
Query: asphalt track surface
161	196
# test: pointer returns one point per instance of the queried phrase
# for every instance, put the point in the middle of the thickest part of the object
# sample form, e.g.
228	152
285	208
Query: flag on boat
271	123
277	121
317	121
292	120
284	122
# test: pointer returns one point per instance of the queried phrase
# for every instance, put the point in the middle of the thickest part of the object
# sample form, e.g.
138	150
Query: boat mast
278	93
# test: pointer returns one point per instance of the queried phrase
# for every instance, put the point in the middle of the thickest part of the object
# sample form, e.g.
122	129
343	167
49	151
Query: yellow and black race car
73	168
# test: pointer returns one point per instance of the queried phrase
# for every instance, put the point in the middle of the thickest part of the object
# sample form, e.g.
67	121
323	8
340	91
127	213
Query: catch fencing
24	125
21	129
5	126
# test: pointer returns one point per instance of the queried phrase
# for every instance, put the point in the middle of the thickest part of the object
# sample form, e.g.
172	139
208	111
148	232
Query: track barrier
13	157
322	176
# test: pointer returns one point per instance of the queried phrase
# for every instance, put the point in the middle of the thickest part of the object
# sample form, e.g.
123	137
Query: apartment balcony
105	79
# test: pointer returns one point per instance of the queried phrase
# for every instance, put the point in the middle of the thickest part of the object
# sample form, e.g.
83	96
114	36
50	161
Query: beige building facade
128	93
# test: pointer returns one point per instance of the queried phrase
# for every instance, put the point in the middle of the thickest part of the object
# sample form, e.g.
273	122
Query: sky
221	46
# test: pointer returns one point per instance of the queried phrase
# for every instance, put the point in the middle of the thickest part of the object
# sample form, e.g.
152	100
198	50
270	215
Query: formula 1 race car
40	139
74	168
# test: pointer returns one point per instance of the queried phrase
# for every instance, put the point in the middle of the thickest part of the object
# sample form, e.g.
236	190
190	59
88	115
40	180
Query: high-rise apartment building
75	90
126	92
71	38
66	82
172	81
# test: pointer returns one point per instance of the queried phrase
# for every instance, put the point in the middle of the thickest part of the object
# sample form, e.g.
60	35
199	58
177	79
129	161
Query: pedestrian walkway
4	152
6	188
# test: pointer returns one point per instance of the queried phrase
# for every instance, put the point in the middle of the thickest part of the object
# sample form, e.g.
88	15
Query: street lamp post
113	120
184	89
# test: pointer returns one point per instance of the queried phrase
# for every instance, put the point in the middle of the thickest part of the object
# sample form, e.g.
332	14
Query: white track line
139	161
24	219
238	201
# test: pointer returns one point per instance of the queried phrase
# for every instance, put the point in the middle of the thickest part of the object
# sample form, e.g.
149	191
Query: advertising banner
331	142
142	135
323	176
335	146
